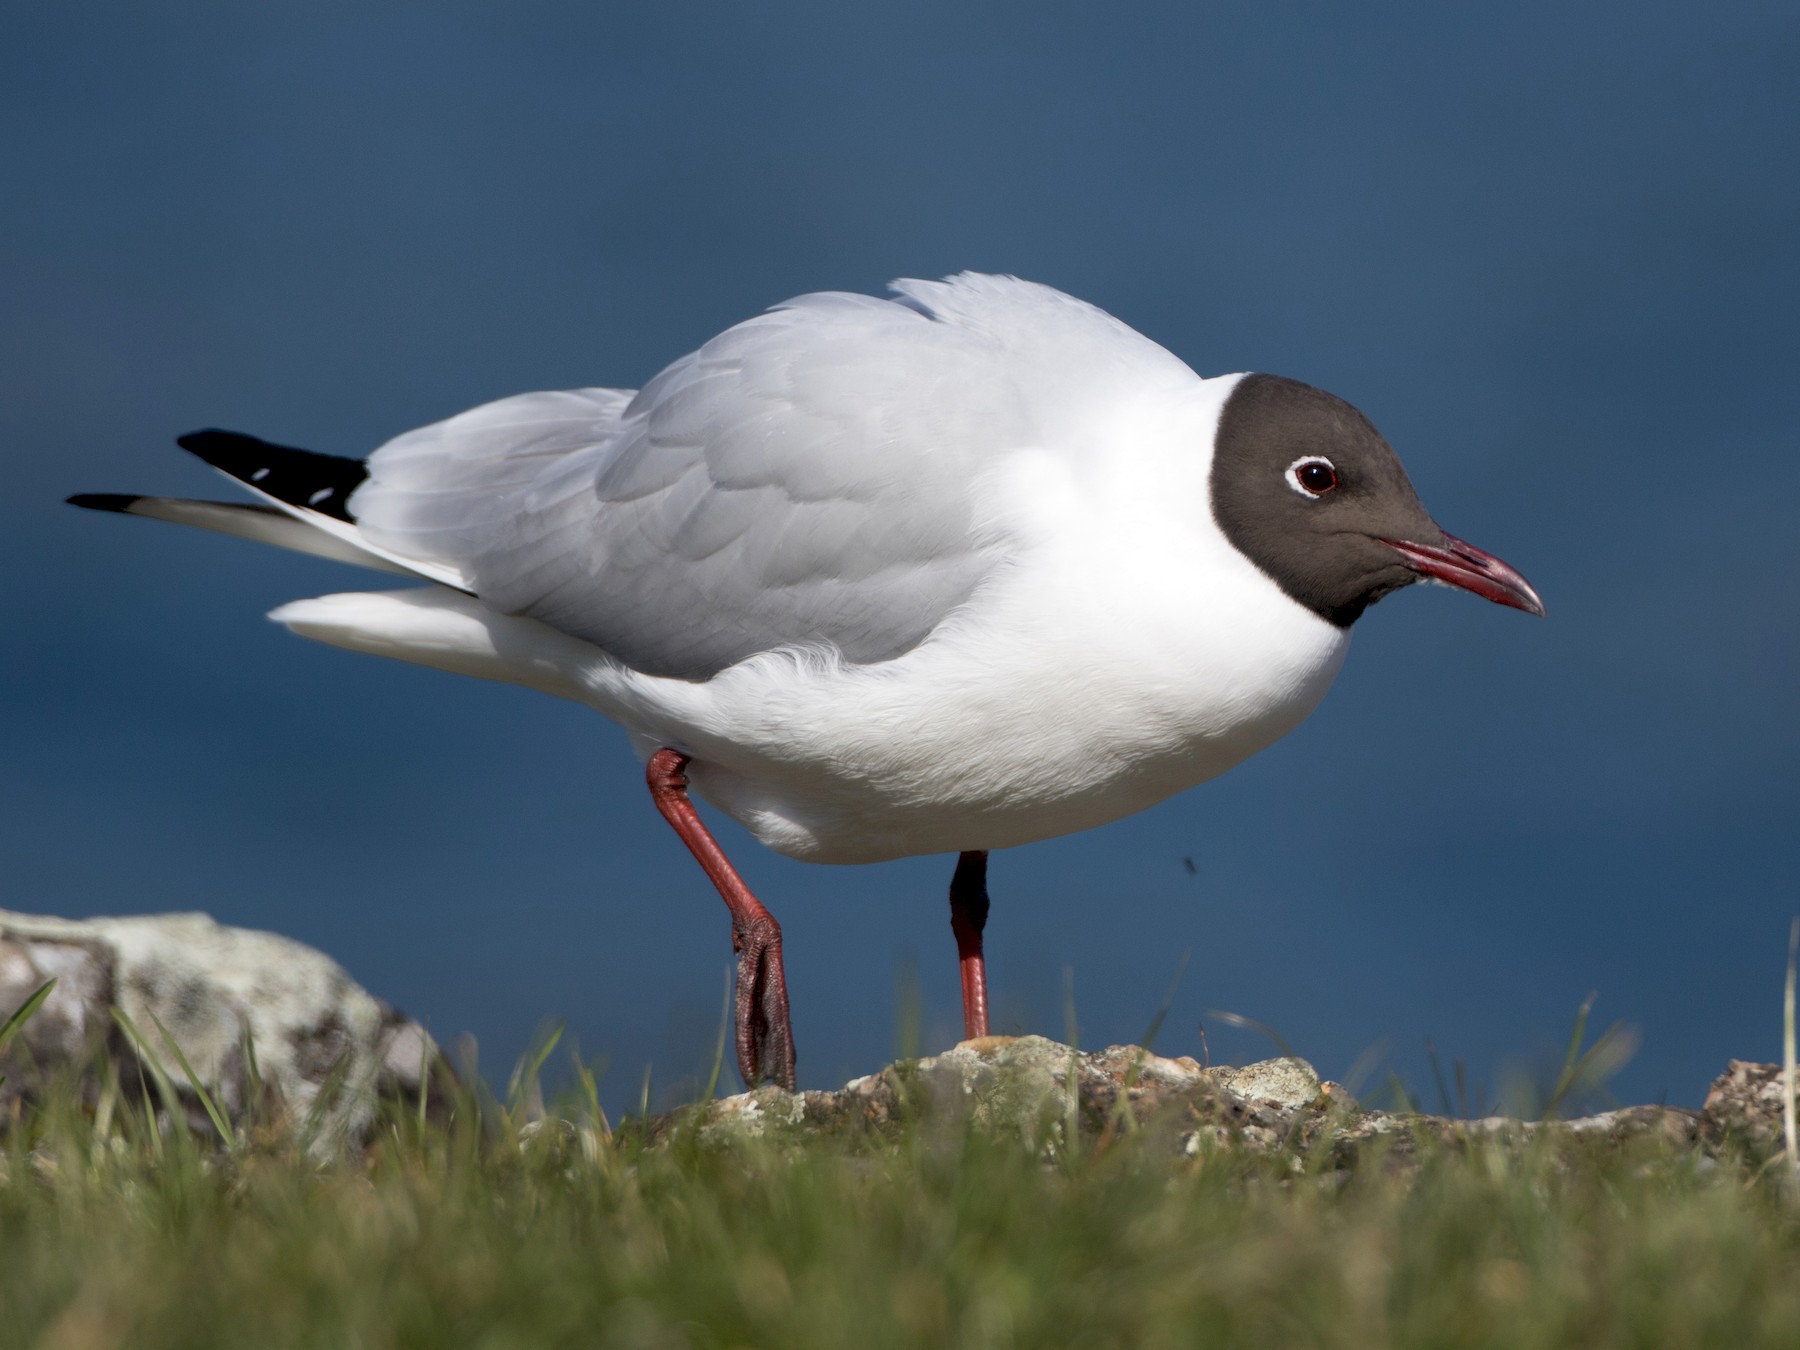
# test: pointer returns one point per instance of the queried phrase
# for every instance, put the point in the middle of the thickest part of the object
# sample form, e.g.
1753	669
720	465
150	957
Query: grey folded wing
804	479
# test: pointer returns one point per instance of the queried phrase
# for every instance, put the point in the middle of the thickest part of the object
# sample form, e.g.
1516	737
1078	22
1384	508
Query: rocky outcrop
1039	1090
274	1031
1743	1108
1036	1088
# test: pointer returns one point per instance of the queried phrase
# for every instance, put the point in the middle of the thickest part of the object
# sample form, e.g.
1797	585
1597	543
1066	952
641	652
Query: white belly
1055	707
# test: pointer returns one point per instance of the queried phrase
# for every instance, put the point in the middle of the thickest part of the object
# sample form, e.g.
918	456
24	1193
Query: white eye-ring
1312	476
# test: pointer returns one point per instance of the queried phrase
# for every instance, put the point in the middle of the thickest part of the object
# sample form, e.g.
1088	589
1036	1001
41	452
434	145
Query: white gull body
931	574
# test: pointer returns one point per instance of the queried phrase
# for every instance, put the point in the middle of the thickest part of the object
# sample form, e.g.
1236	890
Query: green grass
454	1233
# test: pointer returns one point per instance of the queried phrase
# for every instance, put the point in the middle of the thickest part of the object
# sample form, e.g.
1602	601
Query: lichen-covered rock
1744	1107
247	1010
1035	1089
1284	1084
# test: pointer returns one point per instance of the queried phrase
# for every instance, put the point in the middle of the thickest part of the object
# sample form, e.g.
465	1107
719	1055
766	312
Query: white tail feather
267	525
352	537
447	630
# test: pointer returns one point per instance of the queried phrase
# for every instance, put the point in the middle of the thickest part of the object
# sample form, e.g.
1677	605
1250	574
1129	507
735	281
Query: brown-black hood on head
1306	489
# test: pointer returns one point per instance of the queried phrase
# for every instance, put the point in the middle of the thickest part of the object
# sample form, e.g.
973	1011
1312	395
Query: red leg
765	1038
968	916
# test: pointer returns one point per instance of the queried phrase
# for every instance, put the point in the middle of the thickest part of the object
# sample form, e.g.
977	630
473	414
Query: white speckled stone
210	987
1287	1083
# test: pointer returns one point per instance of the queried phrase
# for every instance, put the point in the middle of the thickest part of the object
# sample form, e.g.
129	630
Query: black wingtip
301	478
105	501
229	450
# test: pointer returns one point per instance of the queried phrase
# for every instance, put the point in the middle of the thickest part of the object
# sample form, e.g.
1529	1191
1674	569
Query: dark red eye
1313	477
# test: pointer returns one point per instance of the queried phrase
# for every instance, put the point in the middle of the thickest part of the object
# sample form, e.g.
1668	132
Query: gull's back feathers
803	478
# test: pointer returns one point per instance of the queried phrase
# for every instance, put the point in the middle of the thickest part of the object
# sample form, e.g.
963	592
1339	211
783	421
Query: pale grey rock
1286	1084
1744	1107
1035	1089
325	1050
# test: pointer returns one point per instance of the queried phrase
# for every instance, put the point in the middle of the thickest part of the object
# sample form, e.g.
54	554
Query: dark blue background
1550	249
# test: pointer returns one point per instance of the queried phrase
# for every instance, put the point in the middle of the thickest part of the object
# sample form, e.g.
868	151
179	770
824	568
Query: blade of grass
718	1061
1121	1111
589	1084
1403	1101
1790	1134
1072	1077
521	1090
490	1111
1600	1061
1566	1079
1168	1001
21	1015
213	1113
165	1089
424	1075
312	1131
106	1073
909	1010
253	1083
1437	1075
1238	1020
1362	1068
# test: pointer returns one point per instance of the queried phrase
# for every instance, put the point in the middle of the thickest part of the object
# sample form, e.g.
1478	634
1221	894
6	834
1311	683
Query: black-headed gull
943	573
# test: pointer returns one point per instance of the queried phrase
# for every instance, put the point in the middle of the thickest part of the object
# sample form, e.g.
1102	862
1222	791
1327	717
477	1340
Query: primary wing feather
804	478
